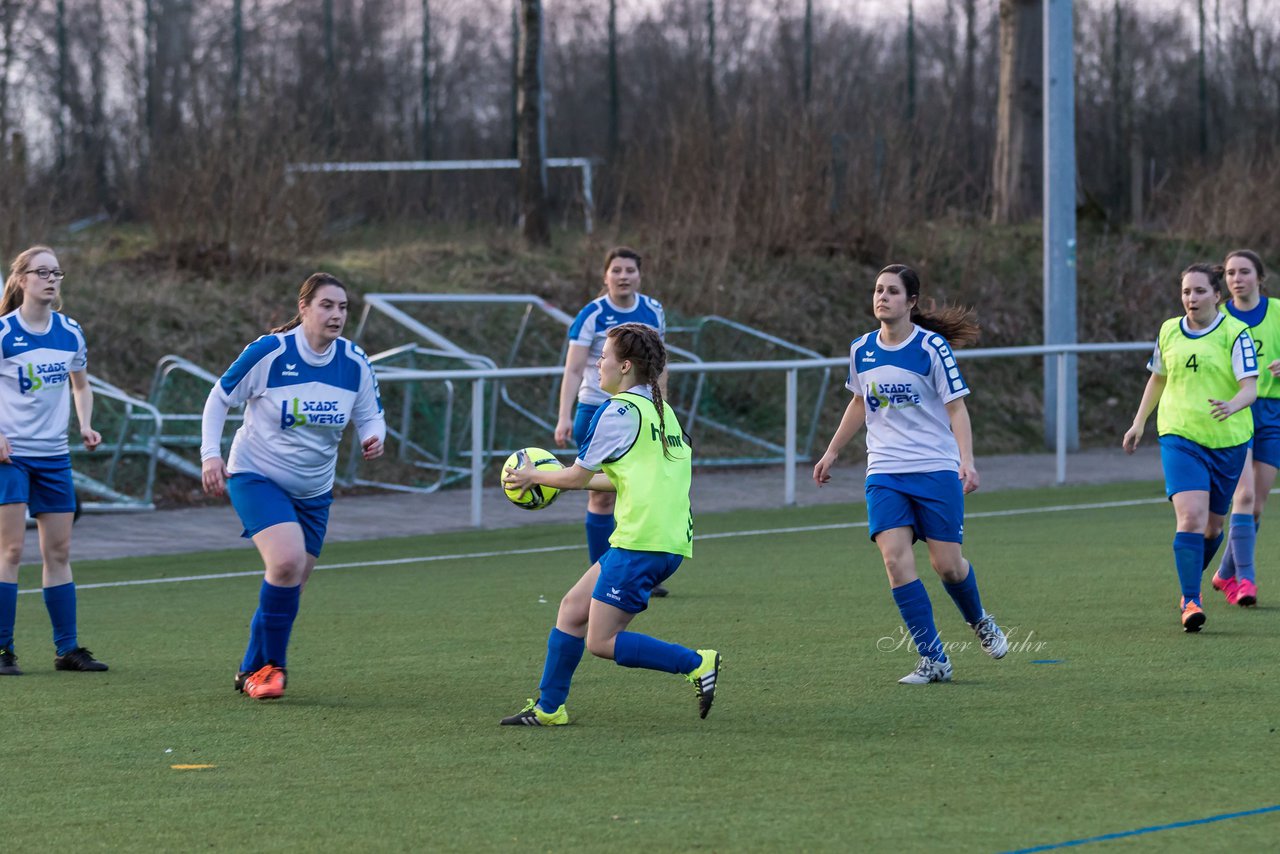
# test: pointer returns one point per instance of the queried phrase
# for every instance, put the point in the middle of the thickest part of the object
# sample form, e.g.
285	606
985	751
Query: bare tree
1018	167
532	133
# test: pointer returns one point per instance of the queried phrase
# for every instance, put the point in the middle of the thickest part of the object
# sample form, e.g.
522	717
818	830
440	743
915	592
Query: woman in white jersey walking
620	303
301	385
908	392
42	352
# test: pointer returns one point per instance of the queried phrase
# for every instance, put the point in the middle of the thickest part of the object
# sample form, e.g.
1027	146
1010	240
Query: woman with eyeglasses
42	352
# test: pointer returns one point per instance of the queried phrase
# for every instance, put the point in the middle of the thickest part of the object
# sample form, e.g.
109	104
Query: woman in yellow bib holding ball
1204	376
633	447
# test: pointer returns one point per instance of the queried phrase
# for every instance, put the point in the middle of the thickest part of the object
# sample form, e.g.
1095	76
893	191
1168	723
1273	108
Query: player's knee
57	554
600	647
288	571
574	610
11	553
601	502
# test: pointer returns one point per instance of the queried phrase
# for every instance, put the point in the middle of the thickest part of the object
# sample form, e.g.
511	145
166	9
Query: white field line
800	529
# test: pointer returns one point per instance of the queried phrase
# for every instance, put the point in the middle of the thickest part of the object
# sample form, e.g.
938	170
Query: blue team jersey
35	367
906	388
591	326
297	403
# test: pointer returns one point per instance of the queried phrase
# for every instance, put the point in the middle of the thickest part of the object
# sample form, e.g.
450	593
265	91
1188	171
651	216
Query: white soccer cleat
928	670
990	635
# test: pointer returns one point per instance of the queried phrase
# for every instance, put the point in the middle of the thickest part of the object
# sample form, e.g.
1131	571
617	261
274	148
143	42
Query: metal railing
130	428
479	455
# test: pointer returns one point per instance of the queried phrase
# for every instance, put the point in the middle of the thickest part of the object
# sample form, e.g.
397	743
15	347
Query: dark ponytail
642	346
957	324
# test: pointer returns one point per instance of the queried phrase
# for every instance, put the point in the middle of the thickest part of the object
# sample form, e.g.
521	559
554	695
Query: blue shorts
582	421
1266	431
1189	466
931	504
42	483
260	503
627	576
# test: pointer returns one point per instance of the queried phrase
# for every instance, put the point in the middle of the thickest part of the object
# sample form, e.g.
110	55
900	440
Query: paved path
117	535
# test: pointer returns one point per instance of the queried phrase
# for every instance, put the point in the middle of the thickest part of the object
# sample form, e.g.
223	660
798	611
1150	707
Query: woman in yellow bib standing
634	447
1235	577
1204	376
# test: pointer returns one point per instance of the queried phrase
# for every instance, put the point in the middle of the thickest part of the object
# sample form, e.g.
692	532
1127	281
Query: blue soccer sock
60	601
8	613
279	608
1188	557
1244	534
564	651
1210	549
599	528
254	657
965	595
631	649
1227	569
917	613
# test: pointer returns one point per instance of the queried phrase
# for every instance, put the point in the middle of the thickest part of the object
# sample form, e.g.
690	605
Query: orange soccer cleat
266	683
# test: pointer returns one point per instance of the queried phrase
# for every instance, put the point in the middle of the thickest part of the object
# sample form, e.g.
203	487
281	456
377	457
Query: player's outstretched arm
573	477
1150	399
855	416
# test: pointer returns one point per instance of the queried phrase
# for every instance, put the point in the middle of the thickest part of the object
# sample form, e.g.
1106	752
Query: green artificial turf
387	738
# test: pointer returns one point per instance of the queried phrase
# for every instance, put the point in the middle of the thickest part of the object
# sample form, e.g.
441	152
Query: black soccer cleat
660	591
241	675
9	663
78	659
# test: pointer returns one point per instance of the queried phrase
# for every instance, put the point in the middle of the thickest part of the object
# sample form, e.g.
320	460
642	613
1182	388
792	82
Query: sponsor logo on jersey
311	413
41	376
892	396
289	370
20	341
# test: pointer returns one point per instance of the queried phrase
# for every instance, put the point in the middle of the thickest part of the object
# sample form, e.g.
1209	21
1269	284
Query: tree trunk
1017	174
532	132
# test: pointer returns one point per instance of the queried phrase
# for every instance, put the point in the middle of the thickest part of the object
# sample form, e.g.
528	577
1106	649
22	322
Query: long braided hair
642	346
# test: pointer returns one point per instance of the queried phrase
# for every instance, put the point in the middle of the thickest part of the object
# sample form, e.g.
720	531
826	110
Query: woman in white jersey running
908	391
42	353
301	385
620	303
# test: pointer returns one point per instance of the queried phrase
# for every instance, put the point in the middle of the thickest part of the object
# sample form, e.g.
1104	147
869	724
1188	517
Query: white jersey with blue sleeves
35	399
614	429
906	388
297	403
591	327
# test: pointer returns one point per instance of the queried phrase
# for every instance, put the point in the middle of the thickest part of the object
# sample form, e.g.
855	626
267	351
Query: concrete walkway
398	514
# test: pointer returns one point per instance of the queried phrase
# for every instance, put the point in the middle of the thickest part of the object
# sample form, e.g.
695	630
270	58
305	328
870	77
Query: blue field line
1107	837
723	535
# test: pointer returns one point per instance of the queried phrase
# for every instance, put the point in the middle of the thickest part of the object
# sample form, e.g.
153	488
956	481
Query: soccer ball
537	496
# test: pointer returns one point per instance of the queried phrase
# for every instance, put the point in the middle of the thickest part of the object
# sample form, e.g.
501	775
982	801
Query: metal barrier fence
499	331
480	456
